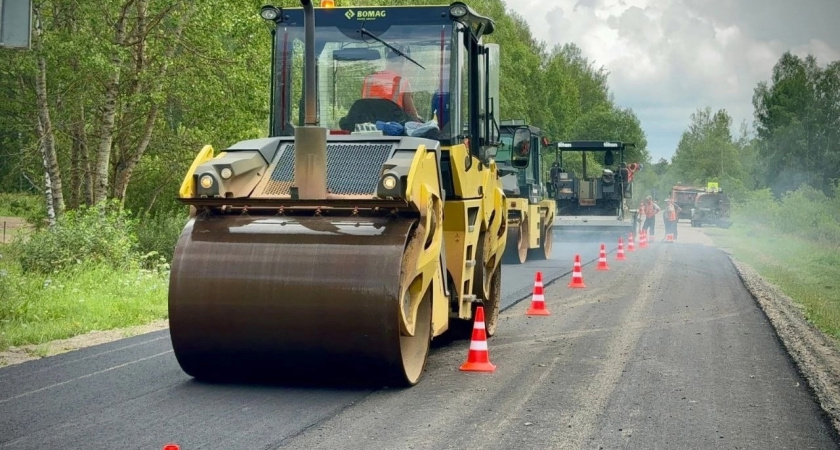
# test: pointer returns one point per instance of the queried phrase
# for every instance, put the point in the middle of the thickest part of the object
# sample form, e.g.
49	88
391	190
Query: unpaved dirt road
668	349
10	227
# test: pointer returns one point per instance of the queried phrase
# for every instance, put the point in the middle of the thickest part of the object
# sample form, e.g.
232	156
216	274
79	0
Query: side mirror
521	151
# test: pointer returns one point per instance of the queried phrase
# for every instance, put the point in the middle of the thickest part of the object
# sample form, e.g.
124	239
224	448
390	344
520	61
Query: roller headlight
269	13
389	182
226	173
206	181
458	11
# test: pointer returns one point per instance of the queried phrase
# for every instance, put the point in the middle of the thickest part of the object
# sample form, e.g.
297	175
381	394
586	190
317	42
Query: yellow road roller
530	212
372	218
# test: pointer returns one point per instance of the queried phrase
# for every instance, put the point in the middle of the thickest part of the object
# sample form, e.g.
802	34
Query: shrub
12	304
734	189
809	213
805	212
100	234
797	209
759	206
160	232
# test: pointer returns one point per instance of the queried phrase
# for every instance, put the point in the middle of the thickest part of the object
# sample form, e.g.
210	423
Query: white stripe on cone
478	345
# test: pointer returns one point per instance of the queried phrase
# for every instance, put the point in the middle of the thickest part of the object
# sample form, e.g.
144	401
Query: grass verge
38	309
806	271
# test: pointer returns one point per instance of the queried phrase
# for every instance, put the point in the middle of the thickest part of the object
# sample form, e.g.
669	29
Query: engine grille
351	168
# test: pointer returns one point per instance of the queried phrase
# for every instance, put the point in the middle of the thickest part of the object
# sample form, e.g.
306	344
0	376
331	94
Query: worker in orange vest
672	214
389	83
632	168
649	210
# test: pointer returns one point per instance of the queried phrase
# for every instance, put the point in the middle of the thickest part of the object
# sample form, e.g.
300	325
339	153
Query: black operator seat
369	110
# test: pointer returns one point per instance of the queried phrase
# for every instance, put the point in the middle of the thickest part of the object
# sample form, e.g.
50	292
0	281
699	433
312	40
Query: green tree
113	86
706	151
661	167
613	123
797	115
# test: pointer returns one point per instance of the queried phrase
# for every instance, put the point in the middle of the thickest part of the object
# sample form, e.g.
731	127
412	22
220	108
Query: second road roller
369	221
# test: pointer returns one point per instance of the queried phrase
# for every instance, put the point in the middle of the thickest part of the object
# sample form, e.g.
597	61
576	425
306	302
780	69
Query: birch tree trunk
48	192
45	134
109	113
125	170
80	185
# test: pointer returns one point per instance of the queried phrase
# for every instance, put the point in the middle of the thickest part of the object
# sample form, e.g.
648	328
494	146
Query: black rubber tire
516	249
487	291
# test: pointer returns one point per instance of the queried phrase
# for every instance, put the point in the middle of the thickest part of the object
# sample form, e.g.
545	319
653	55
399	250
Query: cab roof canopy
592	145
688	188
380	18
519	123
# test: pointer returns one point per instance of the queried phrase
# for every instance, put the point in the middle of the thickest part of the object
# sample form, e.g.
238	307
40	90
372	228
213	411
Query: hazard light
327	3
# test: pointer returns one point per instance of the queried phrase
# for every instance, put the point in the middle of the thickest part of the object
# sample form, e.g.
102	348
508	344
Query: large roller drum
294	297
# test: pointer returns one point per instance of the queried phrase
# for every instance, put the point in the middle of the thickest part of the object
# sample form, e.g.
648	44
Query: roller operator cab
594	197
368	222
530	212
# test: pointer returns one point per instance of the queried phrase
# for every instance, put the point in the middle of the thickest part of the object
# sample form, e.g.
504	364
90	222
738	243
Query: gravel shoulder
816	355
24	353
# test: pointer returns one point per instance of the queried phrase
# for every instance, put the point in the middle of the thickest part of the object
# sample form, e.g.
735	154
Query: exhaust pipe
310	139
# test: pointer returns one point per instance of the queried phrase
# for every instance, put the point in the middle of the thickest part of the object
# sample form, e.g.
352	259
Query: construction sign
15	23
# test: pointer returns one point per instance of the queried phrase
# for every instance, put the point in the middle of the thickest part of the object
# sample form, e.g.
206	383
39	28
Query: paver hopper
589	203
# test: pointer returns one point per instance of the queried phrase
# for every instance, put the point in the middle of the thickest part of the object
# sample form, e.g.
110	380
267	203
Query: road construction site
666	349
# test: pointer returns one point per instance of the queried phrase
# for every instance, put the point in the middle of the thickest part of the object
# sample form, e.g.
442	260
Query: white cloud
820	49
667	58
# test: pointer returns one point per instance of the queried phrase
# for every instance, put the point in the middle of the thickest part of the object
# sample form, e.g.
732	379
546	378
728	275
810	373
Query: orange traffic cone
630	243
669	237
602	259
619	256
538	299
643	240
577	276
171	447
478	358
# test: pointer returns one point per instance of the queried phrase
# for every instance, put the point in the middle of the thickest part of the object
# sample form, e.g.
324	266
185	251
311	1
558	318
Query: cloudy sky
667	58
